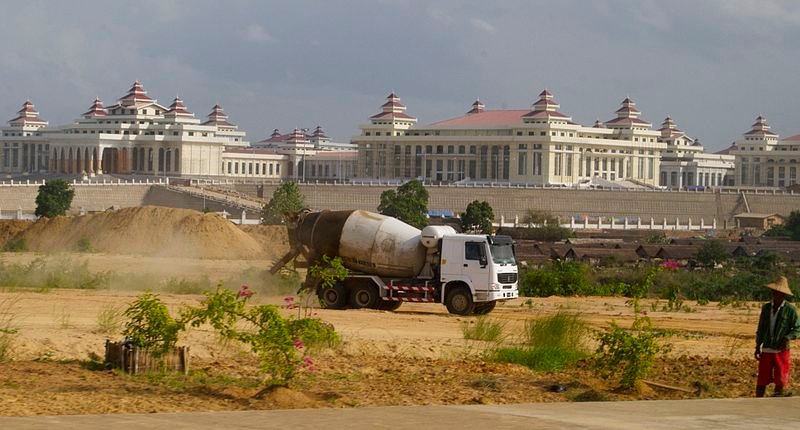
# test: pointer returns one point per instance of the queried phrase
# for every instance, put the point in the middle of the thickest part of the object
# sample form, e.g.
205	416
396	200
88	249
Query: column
91	162
99	161
155	162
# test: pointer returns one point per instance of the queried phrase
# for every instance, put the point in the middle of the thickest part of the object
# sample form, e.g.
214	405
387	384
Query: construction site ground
414	356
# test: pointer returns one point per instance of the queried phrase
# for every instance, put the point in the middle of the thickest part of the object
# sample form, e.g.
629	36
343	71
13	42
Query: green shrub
84	245
561	278
314	332
549	343
629	354
712	253
54	198
150	324
17	244
482	328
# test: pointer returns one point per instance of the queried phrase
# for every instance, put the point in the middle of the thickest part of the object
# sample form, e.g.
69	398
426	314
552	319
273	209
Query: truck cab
485	265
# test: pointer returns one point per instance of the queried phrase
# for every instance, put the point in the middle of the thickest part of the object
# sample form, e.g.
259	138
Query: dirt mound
146	230
11	228
273	238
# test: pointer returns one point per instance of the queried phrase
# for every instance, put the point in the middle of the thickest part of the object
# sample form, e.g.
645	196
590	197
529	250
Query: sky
713	65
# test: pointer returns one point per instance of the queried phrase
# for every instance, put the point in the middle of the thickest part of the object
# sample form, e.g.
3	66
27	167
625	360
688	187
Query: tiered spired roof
178	109
546	108
218	117
669	129
760	128
393	109
96	110
136	96
28	115
319	133
628	115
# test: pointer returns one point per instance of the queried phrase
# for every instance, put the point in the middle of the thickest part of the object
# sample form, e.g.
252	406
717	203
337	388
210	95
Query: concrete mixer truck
391	262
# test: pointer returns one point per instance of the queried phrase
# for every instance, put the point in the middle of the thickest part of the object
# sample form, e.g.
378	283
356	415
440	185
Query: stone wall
511	202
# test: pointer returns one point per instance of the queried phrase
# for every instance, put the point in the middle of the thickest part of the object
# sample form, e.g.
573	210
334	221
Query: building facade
534	146
684	163
139	136
765	160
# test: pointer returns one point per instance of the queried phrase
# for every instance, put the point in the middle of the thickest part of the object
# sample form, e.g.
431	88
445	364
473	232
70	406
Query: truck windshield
503	253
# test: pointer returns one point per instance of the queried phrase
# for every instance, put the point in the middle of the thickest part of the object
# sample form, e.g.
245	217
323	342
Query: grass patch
549	343
110	320
186	286
8	331
16	244
46	274
482	328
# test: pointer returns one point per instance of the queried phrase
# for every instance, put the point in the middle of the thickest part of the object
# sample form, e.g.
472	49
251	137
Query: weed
185	286
734	344
629	354
482	328
43	275
17	244
590	396
110	320
84	245
549	343
64	319
8	331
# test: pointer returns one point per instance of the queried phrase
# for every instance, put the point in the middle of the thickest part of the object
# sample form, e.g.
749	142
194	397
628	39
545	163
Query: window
522	167
474	251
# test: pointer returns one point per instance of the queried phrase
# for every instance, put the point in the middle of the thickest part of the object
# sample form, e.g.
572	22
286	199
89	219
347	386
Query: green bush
17	244
549	343
314	332
712	252
150	324
629	354
561	278
84	245
482	328
185	286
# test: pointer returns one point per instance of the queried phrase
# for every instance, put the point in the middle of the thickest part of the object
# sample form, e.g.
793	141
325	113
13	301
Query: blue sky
713	65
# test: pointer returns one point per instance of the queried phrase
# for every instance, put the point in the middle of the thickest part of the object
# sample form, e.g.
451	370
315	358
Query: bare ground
416	355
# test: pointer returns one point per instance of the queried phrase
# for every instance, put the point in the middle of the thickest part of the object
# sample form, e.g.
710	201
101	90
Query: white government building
136	135
540	146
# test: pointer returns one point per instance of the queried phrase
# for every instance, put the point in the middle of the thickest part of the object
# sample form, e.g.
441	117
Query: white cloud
257	34
482	25
777	11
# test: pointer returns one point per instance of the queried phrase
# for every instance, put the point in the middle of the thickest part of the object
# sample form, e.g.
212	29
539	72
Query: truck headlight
494	286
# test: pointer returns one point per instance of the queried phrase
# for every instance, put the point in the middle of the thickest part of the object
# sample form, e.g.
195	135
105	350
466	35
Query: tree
536	217
793	225
477	218
408	204
54	198
712	253
286	198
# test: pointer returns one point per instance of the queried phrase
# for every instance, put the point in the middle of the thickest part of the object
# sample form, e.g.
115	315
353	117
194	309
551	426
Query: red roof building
95	110
27	116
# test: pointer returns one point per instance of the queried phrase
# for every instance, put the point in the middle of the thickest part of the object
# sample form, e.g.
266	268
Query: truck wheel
334	297
388	305
459	301
484	308
364	296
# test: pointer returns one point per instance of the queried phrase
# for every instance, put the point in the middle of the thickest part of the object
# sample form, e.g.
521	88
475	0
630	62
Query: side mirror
483	261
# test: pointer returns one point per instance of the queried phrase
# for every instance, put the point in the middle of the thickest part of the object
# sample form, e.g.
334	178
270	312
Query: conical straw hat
782	285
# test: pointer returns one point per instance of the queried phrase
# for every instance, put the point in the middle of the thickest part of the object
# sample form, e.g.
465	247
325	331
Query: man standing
777	325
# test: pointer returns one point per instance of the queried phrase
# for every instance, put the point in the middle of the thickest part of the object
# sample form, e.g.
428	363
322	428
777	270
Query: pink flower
288	300
298	343
671	265
244	291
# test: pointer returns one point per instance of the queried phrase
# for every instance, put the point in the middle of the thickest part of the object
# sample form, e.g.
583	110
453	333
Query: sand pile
273	239
146	230
11	228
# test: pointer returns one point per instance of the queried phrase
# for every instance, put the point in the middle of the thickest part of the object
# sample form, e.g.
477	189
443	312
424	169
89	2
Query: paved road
750	414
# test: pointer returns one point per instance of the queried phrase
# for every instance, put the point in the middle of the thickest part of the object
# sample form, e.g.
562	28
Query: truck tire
459	301
334	297
388	305
364	296
484	308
